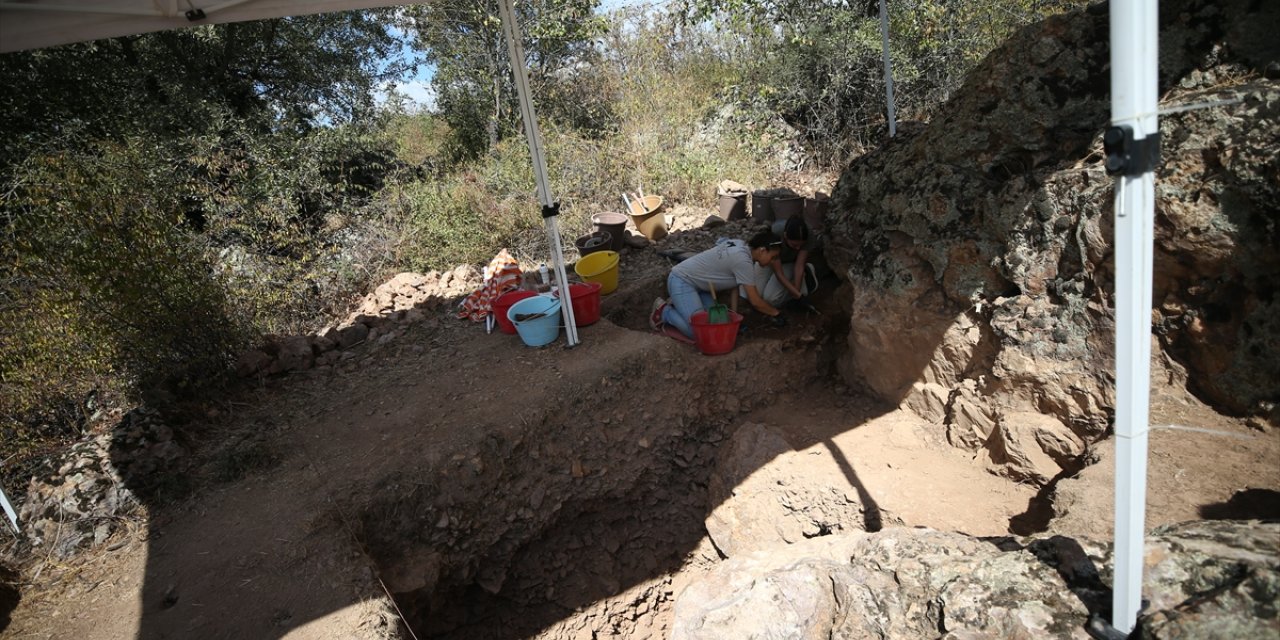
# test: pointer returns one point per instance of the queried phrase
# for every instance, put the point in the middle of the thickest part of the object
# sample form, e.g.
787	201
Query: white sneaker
655	314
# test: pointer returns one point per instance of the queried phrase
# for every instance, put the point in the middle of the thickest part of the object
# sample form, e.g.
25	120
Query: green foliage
166	197
288	73
102	279
819	65
475	92
418	139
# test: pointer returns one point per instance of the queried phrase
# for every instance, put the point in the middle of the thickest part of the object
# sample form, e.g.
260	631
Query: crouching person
726	267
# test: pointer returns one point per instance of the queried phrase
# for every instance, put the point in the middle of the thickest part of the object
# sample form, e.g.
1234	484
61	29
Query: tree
463	40
286	72
818	63
128	165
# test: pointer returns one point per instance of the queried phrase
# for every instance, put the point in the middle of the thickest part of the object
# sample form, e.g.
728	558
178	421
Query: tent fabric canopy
33	24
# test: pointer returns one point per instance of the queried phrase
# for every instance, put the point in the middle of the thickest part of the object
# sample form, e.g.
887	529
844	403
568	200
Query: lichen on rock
978	248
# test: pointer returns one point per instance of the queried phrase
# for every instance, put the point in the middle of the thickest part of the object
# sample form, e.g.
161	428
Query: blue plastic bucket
541	330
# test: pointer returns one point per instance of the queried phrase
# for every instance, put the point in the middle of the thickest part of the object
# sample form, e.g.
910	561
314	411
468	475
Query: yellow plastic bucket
602	267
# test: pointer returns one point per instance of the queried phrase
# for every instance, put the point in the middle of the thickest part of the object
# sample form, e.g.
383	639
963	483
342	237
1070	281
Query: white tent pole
8	510
515	50
1134	25
888	69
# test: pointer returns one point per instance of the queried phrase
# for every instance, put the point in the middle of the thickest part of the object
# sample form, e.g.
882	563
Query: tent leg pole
1134	87
515	52
8	511
888	69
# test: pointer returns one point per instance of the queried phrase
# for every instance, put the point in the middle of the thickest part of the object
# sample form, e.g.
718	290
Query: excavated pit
586	517
583	513
593	501
603	560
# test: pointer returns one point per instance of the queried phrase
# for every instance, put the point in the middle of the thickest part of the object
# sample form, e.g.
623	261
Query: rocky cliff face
1200	579
978	248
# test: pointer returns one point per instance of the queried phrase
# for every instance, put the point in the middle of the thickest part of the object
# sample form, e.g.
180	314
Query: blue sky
417	89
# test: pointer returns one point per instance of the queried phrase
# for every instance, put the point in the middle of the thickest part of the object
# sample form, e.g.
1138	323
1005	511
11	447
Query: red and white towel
502	275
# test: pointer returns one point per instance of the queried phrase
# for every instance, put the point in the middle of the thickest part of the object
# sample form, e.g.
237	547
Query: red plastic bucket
503	304
586	303
715	339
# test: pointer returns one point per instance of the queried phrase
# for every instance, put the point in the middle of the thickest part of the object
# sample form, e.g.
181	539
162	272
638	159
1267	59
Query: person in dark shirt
785	279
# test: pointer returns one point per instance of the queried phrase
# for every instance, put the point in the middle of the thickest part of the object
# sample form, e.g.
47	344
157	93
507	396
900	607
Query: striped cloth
502	275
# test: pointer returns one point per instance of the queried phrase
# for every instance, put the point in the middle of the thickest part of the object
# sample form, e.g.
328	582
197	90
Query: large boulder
979	248
1203	580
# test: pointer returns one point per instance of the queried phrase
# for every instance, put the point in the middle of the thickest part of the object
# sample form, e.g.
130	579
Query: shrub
102	278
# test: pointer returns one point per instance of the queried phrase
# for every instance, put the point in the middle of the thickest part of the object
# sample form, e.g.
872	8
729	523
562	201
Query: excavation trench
528	528
582	511
587	515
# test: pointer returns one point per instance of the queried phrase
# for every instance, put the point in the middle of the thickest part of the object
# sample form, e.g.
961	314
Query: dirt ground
453	484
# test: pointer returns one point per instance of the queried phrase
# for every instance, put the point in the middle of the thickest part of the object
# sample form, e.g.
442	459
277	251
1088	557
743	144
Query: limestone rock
251	363
1032	446
899	583
735	521
296	354
352	335
79	498
928	400
970	425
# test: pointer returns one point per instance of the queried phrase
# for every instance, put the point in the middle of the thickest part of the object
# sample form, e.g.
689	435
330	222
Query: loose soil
453	484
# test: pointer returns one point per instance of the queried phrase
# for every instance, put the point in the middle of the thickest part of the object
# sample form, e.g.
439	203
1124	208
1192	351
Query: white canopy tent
1132	147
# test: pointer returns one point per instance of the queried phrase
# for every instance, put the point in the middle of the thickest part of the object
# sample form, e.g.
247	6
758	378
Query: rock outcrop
1202	579
83	496
979	248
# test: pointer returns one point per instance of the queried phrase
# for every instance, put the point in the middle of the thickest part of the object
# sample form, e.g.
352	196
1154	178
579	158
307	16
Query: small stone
352	335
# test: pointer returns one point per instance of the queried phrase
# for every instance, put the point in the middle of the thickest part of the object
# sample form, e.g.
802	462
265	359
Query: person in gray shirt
728	265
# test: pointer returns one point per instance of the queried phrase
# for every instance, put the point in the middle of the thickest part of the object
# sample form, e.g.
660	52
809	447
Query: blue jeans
686	300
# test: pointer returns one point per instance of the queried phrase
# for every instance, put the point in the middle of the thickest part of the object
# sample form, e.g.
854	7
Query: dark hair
796	229
763	239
